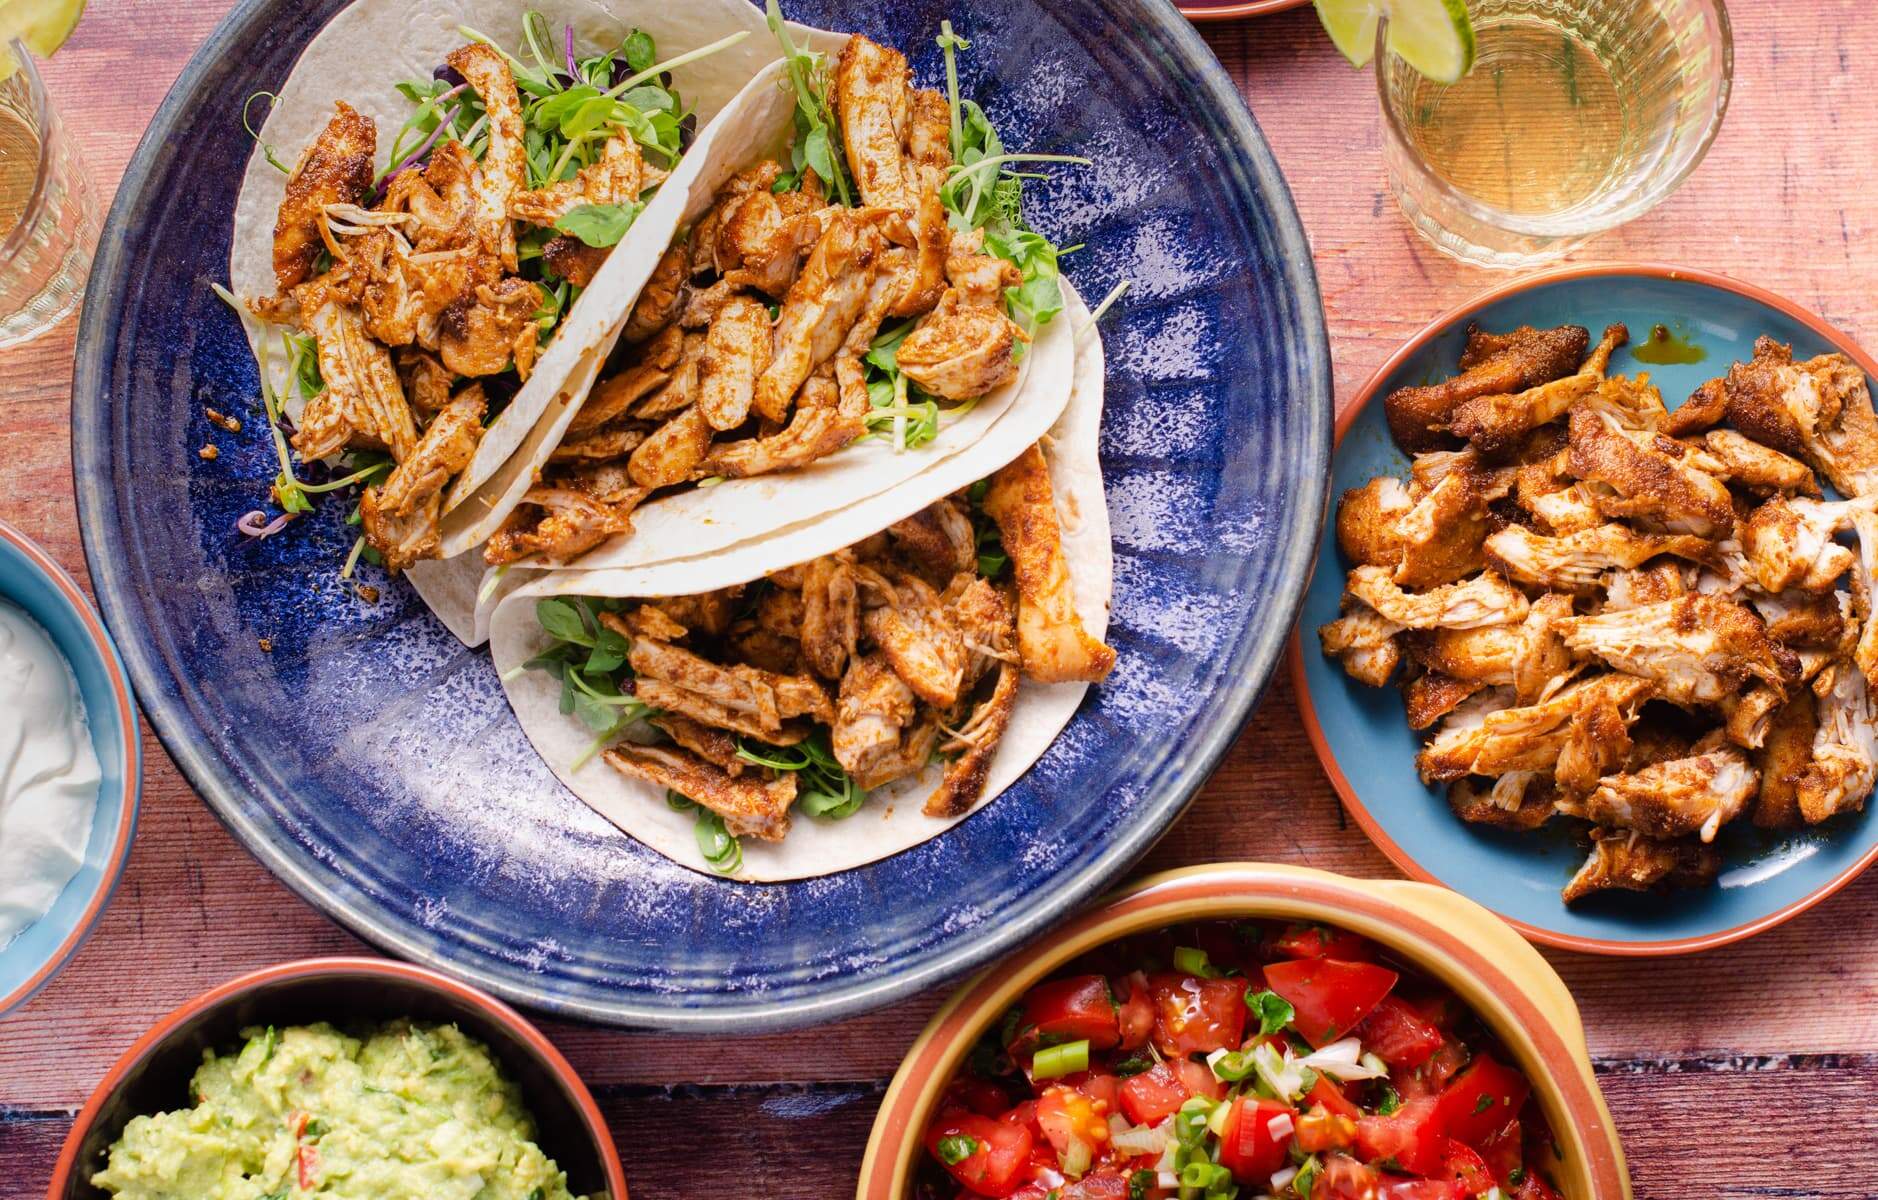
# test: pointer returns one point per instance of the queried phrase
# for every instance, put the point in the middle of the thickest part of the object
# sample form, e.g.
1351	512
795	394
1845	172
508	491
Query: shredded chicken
1486	599
1819	409
1575	562
1051	641
1493	364
1845	747
1667	800
1697	649
335	169
1490	736
1631	862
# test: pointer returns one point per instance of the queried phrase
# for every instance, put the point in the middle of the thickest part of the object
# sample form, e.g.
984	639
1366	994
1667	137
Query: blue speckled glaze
372	762
1519	875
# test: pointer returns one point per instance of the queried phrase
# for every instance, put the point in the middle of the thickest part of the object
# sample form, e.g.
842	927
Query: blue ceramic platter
1768	877
371	761
30	580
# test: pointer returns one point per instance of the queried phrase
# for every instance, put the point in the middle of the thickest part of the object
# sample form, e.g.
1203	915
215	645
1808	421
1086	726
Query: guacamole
404	1112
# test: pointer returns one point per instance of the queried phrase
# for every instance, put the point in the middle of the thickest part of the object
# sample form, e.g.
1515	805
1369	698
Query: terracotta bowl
153	1075
1514	991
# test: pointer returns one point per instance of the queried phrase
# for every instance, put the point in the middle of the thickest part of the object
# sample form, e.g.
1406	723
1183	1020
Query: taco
854	298
439	233
773	713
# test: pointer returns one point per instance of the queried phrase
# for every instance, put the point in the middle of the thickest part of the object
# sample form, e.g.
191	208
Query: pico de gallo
1235	1060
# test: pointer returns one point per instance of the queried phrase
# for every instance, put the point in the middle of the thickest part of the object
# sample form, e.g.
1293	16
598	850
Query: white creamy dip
48	773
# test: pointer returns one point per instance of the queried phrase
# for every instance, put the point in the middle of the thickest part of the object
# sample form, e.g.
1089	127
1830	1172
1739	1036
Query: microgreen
823	787
817	144
267	149
599	224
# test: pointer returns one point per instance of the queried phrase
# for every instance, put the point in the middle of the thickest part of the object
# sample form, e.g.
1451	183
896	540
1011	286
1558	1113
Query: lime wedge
1433	36
42	24
1351	25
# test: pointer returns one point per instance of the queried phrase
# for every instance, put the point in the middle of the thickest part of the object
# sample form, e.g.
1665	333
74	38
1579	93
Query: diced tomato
1433	1075
1343	1178
1330	996
1316	941
1326	1092
997	1164
1247	1146
1503	1151
1025	1114
1068	1117
307	1164
1531	1187
1199	1080
1419	1189
1137	1015
1196	1016
1154	1095
1407	1135
1320	1130
1462	1164
977	1095
1397	1034
1481	1099
1102	1088
1067	1010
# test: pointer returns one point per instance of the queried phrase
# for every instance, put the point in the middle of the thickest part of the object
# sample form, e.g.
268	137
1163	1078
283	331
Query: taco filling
414	298
809	688
875	280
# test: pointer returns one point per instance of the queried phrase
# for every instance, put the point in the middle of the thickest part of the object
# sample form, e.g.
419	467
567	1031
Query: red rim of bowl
501	1013
1247	8
133	763
1353	803
894	1126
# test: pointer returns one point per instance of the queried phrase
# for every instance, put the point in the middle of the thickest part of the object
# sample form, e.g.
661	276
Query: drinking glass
48	216
1579	115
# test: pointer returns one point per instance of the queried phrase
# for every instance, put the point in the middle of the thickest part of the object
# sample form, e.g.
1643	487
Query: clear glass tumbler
1579	115
48	215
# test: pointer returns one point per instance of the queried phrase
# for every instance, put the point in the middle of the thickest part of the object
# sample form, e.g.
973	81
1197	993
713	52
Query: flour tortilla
891	820
372	45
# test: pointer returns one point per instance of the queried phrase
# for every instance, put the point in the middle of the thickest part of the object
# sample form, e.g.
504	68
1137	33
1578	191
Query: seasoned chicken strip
1789	542
831	615
401	538
1631	862
1646	476
363	405
1442	534
663	297
736	352
750	806
1518	800
1494	424
918	641
1845	748
1820	409
564	518
1748	463
874	706
872	96
493	329
1486	736
1431	695
1698	649
1576	562
1695	795
1366	521
672	454
1528	656
1493	364
448	444
822	304
964	782
335	169
1051	641
1486	599
502	172
966	346
1363	641
1783	759
827	418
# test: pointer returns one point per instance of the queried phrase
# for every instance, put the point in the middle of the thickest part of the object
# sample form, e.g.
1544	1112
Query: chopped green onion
1230	1065
1190	960
1053	1062
1191	1121
1107	301
956	1148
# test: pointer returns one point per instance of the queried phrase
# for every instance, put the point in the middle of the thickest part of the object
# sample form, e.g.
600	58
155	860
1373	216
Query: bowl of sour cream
70	767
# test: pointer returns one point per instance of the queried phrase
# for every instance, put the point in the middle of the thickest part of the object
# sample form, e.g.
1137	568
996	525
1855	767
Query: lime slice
1433	36
1351	25
42	24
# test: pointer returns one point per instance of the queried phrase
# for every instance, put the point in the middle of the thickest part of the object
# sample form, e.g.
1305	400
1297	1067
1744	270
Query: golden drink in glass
48	217
1579	115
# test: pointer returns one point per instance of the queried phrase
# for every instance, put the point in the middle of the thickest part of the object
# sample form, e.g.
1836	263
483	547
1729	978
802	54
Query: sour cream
49	774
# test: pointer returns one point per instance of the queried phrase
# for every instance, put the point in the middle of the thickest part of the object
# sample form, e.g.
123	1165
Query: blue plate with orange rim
372	762
30	579
1366	746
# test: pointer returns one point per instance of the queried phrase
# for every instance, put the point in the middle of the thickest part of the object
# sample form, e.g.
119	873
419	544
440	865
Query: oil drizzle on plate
1664	347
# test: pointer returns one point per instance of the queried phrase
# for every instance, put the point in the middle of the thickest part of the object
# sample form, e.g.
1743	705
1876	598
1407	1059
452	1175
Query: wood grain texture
1717	1066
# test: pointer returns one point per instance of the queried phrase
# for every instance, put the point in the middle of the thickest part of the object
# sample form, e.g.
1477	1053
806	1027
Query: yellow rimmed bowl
1515	992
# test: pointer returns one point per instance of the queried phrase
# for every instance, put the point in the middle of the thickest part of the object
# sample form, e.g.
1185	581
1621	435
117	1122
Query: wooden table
1750	1071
